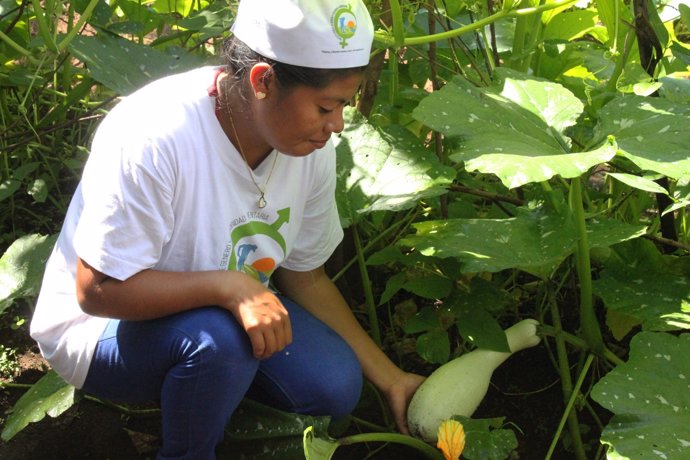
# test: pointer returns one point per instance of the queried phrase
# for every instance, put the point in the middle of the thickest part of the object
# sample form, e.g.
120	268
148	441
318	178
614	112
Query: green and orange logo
344	23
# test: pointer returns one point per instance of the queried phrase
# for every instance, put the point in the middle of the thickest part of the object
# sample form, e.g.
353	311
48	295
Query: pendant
262	202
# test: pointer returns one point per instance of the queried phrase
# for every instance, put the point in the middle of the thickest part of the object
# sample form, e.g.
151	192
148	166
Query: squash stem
566	380
588	321
366	287
427	450
569	411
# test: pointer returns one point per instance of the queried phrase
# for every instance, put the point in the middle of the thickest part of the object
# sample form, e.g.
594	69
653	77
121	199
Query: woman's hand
399	395
262	316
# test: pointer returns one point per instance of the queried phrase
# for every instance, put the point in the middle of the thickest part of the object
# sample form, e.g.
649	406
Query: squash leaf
124	66
260	432
533	241
486	440
383	170
640	283
318	448
22	266
253	420
650	397
514	130
651	132
51	395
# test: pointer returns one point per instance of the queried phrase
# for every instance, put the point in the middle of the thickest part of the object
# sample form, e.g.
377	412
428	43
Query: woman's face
299	120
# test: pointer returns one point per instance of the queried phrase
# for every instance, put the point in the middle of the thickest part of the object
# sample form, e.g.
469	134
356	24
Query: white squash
457	387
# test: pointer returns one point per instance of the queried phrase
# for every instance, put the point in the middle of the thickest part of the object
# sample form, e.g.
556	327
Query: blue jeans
199	365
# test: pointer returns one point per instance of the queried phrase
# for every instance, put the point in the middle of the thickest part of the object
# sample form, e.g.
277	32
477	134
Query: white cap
321	34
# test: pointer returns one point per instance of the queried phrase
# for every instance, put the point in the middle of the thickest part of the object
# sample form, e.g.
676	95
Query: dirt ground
525	390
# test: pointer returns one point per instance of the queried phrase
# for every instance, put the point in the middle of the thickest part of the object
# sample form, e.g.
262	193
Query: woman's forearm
317	293
152	294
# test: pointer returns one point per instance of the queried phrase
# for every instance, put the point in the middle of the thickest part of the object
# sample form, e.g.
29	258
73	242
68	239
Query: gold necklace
261	203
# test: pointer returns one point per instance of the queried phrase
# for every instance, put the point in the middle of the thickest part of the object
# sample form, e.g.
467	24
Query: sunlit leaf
640	183
675	89
383	171
318	448
22	266
533	241
570	25
652	132
515	130
653	288
650	397
124	66
660	300
51	395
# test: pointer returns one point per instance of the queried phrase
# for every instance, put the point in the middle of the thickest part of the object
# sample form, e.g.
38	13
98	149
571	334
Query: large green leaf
652	132
641	283
383	170
22	266
533	241
513	130
51	395
650	397
260	432
603	232
124	66
486	439
661	300
253	420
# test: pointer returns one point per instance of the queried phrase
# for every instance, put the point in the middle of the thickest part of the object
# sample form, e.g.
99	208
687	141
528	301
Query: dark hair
239	59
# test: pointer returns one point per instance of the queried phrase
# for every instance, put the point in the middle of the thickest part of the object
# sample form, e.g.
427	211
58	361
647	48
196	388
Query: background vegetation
506	159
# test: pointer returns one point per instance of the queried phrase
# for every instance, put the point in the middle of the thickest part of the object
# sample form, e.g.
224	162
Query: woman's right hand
262	315
151	294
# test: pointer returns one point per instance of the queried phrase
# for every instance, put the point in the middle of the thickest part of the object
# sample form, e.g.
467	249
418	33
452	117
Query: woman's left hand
399	395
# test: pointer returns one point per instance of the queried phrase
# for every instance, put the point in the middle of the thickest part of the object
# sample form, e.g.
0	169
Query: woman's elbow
89	302
89	290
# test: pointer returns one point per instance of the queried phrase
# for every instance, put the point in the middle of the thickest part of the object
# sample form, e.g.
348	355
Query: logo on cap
344	23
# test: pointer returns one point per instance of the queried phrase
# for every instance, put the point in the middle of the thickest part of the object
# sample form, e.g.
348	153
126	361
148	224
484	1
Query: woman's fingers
268	325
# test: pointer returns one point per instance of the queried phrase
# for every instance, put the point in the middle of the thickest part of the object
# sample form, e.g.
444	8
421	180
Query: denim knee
219	337
340	393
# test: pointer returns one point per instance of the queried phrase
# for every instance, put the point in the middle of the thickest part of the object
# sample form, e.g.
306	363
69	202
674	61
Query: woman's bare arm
153	294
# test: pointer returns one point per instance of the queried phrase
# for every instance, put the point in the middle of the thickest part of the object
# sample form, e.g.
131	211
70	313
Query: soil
525	390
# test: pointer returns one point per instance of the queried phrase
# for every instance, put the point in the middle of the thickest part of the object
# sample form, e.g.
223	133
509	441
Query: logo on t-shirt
257	245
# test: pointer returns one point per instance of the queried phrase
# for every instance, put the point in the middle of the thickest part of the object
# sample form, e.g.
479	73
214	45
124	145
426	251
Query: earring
260	95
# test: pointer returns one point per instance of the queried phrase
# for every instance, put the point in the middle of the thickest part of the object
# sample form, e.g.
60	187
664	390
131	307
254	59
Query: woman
200	188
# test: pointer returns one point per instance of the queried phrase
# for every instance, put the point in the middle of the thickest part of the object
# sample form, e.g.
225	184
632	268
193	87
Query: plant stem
366	287
385	38
589	323
569	411
578	342
43	28
85	15
427	450
566	381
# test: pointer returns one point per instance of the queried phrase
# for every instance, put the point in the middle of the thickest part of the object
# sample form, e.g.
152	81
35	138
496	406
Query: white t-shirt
164	188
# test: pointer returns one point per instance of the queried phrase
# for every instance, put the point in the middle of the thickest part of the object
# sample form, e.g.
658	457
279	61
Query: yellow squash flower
451	439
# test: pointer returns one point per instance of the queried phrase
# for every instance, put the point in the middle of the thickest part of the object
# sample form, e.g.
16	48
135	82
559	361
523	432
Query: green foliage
650	399
487	439
528	178
8	362
21	268
49	396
